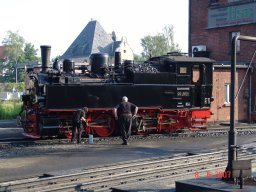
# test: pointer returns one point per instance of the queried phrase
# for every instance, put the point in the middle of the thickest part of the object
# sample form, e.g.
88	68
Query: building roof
110	48
2	55
92	39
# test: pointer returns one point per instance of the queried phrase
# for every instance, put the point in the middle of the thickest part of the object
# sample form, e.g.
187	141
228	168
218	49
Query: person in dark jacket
124	112
79	117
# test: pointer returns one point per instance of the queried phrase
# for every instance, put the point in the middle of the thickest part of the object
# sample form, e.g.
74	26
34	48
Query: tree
138	57
13	44
57	57
29	56
18	53
30	53
160	44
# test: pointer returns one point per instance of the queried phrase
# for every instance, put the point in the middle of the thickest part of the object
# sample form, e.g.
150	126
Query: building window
227	93
231	35
214	1
183	70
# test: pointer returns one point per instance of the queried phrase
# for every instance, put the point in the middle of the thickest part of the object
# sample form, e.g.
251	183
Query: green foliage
154	46
2	67
14	44
8	87
160	44
30	53
138	57
18	53
9	71
57	57
10	109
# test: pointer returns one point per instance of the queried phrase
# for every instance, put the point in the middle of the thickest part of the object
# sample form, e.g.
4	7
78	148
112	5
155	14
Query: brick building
212	25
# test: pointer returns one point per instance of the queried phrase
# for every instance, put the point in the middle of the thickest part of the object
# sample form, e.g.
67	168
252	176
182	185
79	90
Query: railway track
216	131
212	131
108	177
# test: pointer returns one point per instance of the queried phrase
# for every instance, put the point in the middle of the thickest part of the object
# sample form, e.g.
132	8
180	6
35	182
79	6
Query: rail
145	170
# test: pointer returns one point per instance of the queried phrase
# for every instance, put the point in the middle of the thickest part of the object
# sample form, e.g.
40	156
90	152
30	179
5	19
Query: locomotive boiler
173	92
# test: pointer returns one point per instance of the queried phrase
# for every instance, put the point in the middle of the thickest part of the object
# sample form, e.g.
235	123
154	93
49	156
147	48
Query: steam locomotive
172	91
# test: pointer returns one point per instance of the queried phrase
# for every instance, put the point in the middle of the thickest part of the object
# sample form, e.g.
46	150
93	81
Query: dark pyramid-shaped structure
92	39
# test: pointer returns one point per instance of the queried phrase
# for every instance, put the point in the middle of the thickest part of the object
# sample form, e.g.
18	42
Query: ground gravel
22	151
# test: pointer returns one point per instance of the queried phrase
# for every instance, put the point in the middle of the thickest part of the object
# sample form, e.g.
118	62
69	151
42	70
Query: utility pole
232	144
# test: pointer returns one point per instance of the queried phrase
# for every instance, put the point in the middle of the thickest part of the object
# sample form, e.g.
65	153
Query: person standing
79	116
124	112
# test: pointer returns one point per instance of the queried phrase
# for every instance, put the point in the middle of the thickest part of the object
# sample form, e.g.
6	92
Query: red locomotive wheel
68	135
103	125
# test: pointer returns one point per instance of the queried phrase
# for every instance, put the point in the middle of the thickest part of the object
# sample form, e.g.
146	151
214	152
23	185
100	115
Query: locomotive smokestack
45	55
117	60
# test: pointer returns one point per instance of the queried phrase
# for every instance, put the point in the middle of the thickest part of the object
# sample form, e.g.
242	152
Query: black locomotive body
172	92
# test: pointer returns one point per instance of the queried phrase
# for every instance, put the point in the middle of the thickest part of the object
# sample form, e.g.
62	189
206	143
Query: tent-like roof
92	39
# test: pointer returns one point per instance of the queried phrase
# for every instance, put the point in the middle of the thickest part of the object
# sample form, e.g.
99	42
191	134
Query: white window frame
227	93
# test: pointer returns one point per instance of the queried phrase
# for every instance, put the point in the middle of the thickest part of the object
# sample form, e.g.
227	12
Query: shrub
8	87
9	109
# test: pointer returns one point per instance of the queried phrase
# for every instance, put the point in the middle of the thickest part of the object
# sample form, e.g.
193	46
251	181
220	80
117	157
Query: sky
58	22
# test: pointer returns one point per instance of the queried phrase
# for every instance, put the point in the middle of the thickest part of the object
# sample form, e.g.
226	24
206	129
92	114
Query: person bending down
79	117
